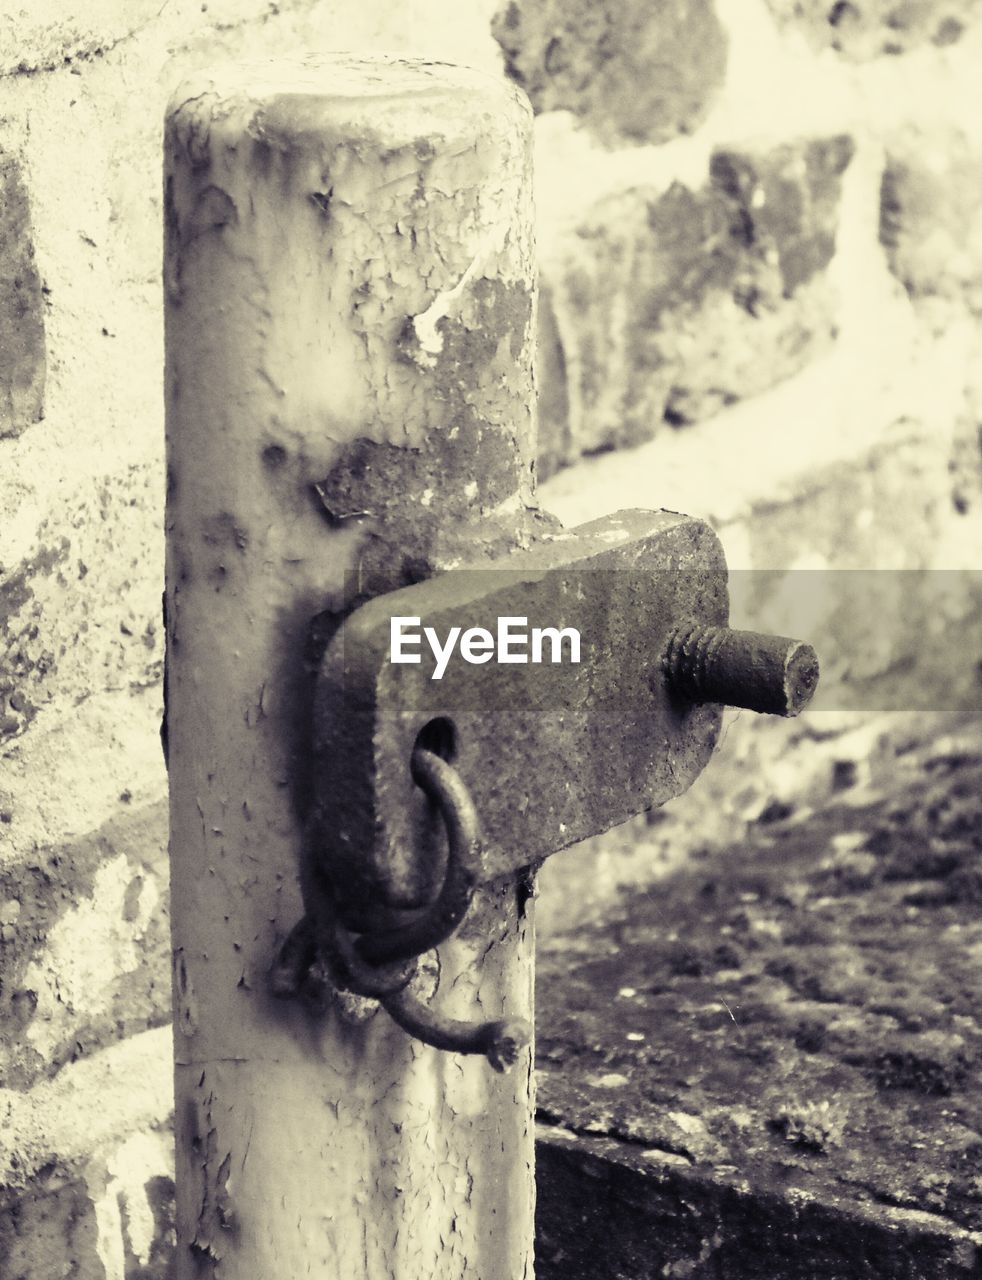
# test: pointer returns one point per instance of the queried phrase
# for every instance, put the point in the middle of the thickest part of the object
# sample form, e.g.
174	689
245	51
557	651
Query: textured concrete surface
778	1043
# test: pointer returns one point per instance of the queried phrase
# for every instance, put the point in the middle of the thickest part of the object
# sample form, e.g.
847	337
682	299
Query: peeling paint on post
349	315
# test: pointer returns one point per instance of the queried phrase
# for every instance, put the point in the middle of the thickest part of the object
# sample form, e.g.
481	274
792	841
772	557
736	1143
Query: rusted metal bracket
553	752
516	758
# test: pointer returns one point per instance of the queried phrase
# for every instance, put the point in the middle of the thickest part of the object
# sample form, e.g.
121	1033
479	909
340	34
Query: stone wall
761	294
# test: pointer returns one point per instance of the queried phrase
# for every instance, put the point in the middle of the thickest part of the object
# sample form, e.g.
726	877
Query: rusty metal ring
335	945
361	976
447	789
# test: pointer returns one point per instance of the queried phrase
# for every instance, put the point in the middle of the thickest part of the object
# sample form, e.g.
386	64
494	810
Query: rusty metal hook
383	965
444	785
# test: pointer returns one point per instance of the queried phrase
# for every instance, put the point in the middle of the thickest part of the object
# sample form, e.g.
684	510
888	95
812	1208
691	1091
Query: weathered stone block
62	1228
862	29
637	71
82	613
23	360
672	305
86	1168
84	945
52	1233
929	223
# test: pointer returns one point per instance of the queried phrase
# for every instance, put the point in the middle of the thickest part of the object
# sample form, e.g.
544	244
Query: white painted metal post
349	317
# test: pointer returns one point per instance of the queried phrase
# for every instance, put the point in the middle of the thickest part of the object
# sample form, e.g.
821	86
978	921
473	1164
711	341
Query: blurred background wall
761	264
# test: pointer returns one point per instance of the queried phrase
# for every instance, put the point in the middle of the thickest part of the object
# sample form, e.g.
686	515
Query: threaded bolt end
771	674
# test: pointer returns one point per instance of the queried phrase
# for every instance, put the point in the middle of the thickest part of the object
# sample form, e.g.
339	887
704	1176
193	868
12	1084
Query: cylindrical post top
310	99
384	205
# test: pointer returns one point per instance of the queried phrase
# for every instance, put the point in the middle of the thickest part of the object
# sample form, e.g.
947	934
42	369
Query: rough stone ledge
772	1057
611	1210
86	1169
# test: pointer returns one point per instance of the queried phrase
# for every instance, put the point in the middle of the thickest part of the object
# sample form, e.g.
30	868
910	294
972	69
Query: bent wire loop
382	965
